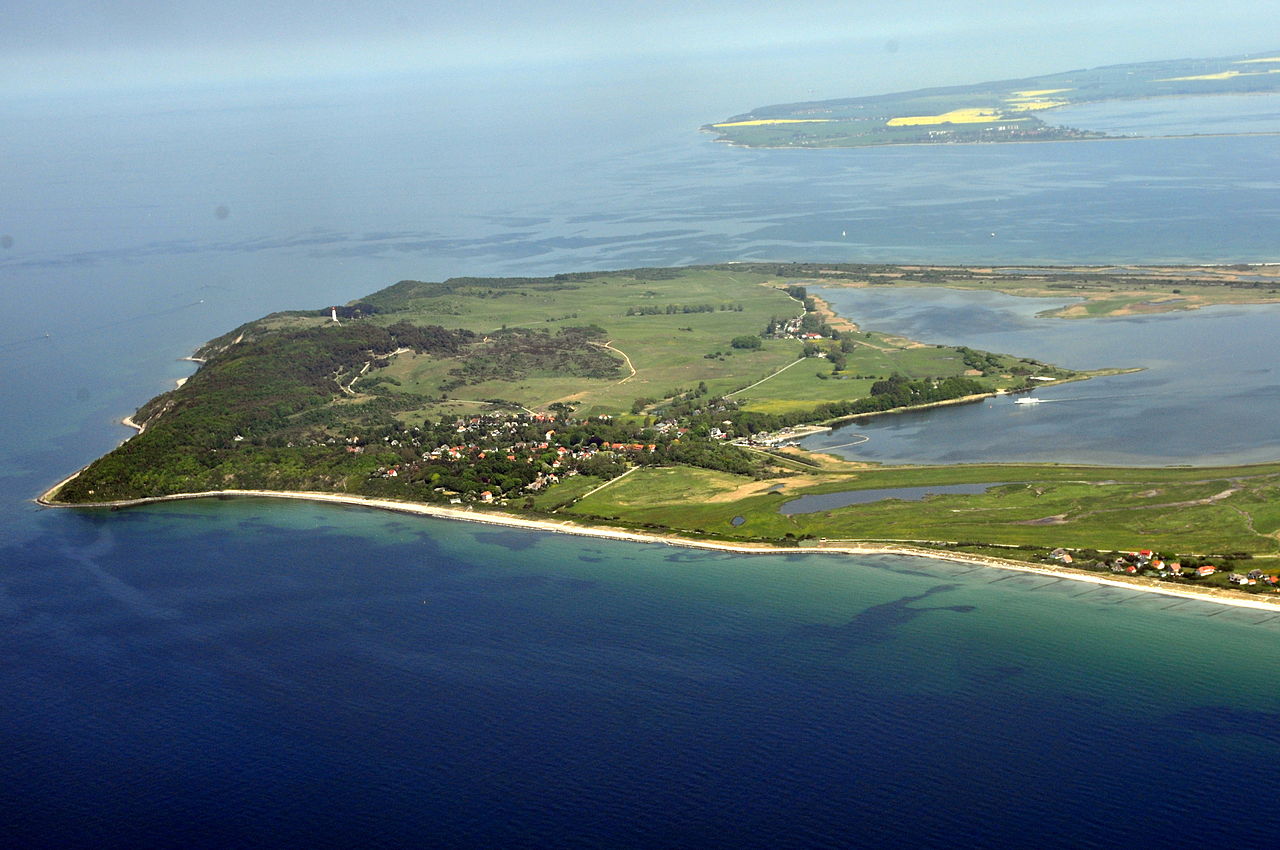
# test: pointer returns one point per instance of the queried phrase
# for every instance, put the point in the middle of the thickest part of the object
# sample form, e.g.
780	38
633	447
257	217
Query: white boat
1026	401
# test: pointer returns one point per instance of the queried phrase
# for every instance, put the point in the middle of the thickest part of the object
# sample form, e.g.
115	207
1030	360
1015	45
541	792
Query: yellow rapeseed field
760	121
955	116
1252	61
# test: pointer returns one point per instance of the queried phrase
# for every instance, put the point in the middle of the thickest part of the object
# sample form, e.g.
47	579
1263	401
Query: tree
746	341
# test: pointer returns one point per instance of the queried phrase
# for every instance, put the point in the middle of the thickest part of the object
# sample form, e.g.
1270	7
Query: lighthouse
333	313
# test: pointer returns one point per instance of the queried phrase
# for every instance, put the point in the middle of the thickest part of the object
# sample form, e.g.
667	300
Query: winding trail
609	345
348	388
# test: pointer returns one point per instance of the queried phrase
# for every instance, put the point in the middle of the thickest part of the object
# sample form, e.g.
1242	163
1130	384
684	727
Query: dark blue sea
249	673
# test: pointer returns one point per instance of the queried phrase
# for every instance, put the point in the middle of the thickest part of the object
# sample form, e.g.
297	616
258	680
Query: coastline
734	144
1228	598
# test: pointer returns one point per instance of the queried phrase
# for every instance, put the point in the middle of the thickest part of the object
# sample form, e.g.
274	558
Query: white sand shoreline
1223	597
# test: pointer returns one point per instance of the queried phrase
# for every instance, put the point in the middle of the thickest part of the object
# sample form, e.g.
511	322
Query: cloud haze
65	45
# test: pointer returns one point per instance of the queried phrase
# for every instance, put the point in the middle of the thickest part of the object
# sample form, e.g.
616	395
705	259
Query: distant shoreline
733	144
467	515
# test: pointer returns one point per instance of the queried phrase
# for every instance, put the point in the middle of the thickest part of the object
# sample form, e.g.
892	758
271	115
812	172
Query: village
1146	562
496	456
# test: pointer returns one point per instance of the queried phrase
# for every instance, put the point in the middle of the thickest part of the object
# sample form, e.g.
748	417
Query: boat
1027	401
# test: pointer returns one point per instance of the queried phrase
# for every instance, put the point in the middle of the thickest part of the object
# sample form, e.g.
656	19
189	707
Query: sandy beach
1220	597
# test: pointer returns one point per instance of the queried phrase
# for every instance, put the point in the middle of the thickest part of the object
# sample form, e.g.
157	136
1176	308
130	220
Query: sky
56	46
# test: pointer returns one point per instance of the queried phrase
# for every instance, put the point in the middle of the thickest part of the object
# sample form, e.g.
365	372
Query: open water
261	674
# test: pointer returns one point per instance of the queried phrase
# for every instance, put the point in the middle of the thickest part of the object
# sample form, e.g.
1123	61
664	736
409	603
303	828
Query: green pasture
1180	510
670	352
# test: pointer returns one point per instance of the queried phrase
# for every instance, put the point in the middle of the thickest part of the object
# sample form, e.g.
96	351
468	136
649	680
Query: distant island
665	404
998	111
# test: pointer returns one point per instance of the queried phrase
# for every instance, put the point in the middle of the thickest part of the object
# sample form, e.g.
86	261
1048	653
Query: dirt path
606	484
609	345
767	377
349	387
491	404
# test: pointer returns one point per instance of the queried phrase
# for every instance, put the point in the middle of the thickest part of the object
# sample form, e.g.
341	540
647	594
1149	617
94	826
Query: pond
815	502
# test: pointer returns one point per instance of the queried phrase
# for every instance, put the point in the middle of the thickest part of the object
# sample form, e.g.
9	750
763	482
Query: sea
245	673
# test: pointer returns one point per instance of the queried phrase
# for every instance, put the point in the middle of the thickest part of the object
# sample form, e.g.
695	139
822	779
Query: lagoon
1209	393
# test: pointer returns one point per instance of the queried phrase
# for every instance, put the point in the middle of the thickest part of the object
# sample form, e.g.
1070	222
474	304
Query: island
997	111
665	404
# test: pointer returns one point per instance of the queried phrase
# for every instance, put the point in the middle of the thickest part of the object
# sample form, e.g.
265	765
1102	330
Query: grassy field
666	331
669	352
662	332
811	381
1187	510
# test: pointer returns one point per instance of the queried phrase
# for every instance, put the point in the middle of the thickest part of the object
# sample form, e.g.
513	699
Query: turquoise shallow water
227	670
253	673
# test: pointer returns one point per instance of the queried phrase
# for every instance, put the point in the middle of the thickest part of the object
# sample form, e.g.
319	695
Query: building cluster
505	453
1145	561
791	329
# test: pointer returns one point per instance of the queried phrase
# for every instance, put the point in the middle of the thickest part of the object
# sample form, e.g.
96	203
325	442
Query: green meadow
1178	510
663	332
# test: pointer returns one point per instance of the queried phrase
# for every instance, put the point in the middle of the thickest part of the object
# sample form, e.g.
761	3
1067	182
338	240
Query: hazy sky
66	45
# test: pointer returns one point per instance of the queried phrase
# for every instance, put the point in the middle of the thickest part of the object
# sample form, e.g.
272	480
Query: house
486	496
1206	570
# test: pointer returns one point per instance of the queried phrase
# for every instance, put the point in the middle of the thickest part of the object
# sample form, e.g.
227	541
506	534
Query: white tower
333	313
